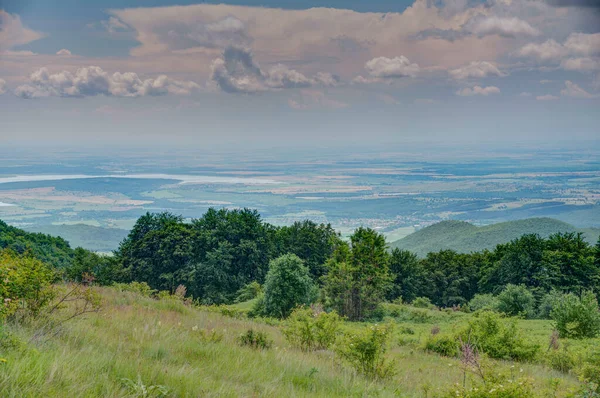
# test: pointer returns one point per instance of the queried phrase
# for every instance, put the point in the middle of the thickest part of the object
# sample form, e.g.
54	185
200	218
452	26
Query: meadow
138	346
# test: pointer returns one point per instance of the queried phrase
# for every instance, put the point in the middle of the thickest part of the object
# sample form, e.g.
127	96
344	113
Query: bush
255	339
309	331
483	302
561	360
447	346
25	285
516	300
422	302
498	338
365	351
248	292
141	288
288	284
547	304
577	317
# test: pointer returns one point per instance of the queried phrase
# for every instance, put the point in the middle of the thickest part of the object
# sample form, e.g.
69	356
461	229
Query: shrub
422	302
248	292
577	317
25	285
406	330
288	284
547	304
210	335
516	300
498	338
309	331
483	302
561	360
365	351
447	346
141	288
255	339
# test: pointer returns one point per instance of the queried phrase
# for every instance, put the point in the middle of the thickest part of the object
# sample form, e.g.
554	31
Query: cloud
505	27
478	90
547	97
2	86
443	34
64	51
579	46
573	90
114	25
92	81
390	68
574	3
237	72
477	70
13	33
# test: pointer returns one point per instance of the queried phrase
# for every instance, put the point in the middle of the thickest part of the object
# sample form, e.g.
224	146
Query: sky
296	72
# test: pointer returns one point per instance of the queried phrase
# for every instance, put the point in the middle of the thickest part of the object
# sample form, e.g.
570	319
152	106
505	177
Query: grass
138	344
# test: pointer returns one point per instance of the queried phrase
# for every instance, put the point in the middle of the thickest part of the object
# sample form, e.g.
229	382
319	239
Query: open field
160	343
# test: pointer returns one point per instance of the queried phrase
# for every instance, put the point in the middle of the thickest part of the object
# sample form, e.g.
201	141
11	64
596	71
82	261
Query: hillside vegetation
464	237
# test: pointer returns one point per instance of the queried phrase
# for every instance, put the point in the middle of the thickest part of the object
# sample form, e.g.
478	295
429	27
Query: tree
407	274
358	277
288	284
516	300
314	243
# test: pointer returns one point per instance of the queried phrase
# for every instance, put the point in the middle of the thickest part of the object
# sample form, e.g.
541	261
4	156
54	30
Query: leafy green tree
516	300
577	317
103	269
314	243
407	273
358	277
288	284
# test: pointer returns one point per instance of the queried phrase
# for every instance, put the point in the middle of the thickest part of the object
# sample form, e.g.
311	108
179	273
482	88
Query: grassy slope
135	336
464	237
86	236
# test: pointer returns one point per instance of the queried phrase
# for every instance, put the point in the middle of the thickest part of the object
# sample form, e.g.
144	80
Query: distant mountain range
96	239
464	237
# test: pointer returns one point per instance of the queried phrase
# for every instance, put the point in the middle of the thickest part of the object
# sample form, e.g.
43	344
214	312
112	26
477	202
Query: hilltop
464	237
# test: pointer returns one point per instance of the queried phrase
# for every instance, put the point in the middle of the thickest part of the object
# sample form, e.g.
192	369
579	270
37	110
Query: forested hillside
93	238
464	237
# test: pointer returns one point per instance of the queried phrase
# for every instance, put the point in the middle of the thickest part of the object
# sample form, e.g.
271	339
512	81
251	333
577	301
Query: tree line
222	253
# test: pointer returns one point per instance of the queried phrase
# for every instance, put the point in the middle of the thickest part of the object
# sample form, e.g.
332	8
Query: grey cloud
477	70
443	34
478	90
92	81
2	86
573	90
574	3
222	33
505	27
237	72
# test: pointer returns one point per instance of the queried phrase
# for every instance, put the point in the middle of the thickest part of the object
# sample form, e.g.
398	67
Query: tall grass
138	345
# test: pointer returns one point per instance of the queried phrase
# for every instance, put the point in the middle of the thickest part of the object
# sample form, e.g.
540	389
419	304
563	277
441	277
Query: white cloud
573	90
478	90
237	72
383	67
13	33
547	97
548	50
581	64
583	44
476	69
63	51
113	25
2	86
506	27
92	81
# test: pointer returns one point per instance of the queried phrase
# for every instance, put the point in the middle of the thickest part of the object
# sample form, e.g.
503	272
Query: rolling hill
464	237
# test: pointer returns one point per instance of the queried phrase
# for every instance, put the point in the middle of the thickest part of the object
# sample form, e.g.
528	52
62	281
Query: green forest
530	301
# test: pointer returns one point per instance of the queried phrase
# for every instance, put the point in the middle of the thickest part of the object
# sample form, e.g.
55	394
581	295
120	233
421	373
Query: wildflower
195	328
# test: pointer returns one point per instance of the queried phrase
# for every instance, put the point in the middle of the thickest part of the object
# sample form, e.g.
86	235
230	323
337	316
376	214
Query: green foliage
310	331
249	292
422	302
103	270
25	285
50	250
498	338
497	388
358	276
577	317
547	304
447	346
516	301
140	288
560	359
287	285
137	389
484	301
365	351
255	339
407	276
